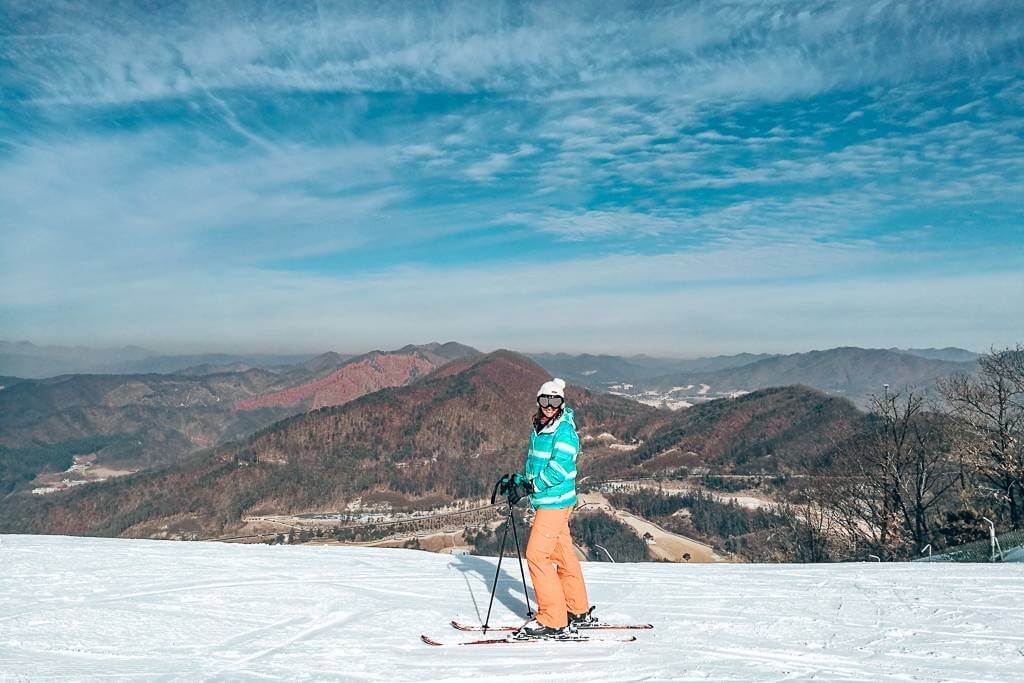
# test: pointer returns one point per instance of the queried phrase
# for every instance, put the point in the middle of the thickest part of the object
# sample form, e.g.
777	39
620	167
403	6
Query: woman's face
546	408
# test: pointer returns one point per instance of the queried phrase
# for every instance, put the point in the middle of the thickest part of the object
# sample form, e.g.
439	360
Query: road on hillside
667	545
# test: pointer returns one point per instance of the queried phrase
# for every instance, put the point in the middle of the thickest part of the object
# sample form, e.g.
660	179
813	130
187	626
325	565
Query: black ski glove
521	486
524	483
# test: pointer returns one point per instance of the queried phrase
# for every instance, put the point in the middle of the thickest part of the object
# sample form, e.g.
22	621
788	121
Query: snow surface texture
78	608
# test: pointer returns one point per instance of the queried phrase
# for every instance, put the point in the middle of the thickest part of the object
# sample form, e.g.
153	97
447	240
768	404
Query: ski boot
582	621
534	630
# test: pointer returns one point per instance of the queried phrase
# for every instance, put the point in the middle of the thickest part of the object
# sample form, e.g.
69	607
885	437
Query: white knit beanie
555	387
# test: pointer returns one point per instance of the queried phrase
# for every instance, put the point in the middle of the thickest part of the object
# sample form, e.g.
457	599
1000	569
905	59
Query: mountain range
26	360
781	430
447	434
422	425
128	422
852	372
600	371
441	438
133	421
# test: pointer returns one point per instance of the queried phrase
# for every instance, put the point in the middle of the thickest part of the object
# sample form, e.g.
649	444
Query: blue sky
683	179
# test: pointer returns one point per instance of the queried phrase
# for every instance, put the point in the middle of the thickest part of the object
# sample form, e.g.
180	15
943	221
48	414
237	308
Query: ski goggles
550	401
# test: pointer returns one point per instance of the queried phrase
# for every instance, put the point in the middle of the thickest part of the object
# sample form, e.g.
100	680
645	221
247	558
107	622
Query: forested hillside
137	421
451	433
771	431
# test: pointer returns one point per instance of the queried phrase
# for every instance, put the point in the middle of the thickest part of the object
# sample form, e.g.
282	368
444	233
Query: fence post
992	541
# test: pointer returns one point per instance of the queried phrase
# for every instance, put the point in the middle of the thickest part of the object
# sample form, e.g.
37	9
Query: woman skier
550	479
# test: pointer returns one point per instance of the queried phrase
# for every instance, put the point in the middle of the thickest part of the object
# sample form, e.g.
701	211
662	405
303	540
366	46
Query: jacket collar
566	416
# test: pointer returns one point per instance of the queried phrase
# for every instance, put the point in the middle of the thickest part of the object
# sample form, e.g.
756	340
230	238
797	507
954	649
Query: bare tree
810	527
860	498
915	450
888	481
989	410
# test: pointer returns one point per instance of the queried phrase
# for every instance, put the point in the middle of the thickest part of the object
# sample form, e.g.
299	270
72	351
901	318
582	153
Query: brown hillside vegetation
357	377
135	421
775	431
451	433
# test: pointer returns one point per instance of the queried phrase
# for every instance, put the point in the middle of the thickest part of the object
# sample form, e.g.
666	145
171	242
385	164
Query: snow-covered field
76	608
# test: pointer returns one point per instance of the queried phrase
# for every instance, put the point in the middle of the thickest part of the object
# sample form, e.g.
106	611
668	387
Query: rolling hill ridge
134	421
443	437
448	434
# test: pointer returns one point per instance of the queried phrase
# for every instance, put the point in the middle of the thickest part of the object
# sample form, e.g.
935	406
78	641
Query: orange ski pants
554	569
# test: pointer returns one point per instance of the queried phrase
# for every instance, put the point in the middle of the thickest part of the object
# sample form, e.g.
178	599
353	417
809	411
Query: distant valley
851	372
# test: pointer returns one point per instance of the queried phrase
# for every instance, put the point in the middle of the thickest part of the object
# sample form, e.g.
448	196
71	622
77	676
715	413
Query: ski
514	641
597	627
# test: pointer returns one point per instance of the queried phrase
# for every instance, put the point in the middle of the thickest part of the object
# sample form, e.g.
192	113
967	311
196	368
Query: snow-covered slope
79	608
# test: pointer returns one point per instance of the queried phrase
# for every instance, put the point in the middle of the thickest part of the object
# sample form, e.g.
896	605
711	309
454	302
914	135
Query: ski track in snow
83	608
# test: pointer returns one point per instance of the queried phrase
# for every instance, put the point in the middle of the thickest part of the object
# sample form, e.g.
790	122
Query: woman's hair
538	417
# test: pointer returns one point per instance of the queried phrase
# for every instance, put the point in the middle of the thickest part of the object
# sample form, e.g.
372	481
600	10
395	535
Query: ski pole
519	554
494	586
500	484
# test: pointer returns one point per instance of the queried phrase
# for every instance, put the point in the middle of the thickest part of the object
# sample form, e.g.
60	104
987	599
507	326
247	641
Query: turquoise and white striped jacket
551	463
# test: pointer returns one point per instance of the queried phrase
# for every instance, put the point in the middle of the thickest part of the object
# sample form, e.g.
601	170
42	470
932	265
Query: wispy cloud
99	210
498	162
415	163
85	53
583	224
